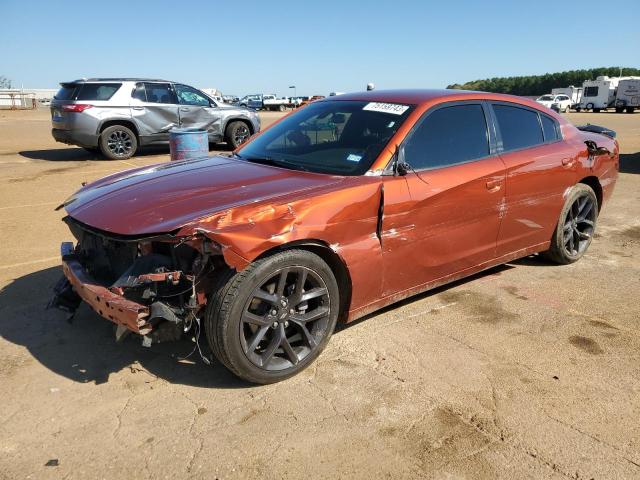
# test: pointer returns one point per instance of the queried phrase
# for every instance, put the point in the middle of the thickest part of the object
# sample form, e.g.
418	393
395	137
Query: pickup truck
267	102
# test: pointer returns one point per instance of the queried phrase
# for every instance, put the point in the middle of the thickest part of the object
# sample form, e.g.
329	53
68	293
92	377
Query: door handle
494	185
184	109
138	108
567	162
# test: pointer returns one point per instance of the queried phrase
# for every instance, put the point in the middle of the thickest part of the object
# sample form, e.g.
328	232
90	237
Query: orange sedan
341	208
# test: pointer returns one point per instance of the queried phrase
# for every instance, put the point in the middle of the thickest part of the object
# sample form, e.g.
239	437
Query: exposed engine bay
153	286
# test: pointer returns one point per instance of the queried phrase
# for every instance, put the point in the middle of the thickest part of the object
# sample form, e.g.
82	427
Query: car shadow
84	349
77	154
630	162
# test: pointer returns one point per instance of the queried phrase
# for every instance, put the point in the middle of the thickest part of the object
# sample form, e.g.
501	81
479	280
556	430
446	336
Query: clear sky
250	46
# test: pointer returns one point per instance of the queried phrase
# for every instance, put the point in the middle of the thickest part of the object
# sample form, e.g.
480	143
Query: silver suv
118	115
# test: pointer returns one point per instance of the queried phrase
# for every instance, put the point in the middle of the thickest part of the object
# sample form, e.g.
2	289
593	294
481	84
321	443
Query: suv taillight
78	107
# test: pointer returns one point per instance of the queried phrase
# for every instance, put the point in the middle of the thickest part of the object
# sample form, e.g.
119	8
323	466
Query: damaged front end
154	286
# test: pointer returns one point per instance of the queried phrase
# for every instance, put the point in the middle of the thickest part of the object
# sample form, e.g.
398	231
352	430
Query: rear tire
596	110
237	133
261	346
619	109
576	226
282	108
630	109
118	142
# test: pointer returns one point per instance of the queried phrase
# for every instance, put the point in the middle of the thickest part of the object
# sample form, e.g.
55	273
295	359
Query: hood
165	197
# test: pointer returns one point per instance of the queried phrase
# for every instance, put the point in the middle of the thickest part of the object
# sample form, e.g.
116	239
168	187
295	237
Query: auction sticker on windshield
394	108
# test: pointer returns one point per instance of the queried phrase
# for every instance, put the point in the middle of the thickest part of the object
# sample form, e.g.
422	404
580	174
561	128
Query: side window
448	136
139	93
549	128
97	91
191	96
159	93
591	92
520	128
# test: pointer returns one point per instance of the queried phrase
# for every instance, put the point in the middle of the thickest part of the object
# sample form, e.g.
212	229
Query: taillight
77	107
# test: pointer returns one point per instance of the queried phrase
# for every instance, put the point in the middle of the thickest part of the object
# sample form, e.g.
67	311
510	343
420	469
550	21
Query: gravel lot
526	371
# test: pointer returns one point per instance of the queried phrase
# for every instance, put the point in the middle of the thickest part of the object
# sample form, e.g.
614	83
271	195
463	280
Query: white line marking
33	262
31	205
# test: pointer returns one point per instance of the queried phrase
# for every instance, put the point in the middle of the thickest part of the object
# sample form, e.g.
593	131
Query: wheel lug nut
286	324
273	312
292	311
275	324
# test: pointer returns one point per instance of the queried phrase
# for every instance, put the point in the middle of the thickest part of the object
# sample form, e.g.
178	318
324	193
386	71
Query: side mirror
402	169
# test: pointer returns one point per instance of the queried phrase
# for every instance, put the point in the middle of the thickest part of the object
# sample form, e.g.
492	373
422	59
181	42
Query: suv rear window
97	91
67	92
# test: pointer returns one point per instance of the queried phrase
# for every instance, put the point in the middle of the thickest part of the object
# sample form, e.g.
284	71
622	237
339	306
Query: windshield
546	98
337	137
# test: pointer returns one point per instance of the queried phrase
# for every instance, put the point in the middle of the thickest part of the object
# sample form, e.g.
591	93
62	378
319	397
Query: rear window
519	127
67	92
97	91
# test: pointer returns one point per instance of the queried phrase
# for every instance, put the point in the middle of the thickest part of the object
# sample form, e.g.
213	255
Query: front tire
118	142
271	320
576	226
237	133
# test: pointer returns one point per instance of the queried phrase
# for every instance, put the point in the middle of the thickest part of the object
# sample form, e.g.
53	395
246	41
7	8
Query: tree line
539	84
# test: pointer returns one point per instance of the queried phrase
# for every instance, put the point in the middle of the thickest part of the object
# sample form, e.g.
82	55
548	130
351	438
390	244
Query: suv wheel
117	142
271	320
236	134
576	226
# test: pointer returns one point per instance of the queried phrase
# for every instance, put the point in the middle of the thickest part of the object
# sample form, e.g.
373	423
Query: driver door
443	216
198	111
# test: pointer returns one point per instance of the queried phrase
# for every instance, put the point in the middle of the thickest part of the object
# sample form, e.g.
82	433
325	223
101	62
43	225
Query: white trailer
628	95
574	93
598	94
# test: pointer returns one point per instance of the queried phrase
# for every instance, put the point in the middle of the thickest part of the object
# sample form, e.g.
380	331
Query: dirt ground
526	371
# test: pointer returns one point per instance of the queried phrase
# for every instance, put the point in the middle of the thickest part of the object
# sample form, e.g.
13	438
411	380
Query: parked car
230	99
311	99
559	103
306	225
118	115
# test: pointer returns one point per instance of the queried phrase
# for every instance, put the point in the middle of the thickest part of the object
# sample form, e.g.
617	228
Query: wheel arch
330	257
118	121
594	183
246	121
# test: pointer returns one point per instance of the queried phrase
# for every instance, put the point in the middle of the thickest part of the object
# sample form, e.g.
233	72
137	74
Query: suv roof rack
119	79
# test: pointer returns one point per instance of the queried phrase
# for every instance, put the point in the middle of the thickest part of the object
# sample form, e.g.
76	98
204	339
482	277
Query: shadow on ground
630	162
77	154
84	350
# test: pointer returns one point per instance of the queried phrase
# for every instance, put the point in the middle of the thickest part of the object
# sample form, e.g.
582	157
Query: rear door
198	111
540	168
154	109
443	216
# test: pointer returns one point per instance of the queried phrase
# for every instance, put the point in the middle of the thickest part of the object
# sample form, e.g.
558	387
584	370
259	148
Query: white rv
628	95
574	93
598	94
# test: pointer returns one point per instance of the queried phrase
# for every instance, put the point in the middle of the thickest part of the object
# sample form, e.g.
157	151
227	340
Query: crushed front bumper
106	303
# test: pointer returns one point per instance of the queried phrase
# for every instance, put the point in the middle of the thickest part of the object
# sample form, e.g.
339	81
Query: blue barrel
188	143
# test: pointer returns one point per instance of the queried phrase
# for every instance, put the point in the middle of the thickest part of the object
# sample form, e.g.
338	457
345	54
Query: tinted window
139	93
520	128
66	92
97	91
191	96
338	137
159	93
448	136
549	129
591	92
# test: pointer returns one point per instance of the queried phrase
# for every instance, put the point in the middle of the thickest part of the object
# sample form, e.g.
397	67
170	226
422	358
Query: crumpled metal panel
106	303
344	218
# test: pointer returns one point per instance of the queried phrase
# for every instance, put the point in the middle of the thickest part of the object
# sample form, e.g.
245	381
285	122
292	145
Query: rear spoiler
597	129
